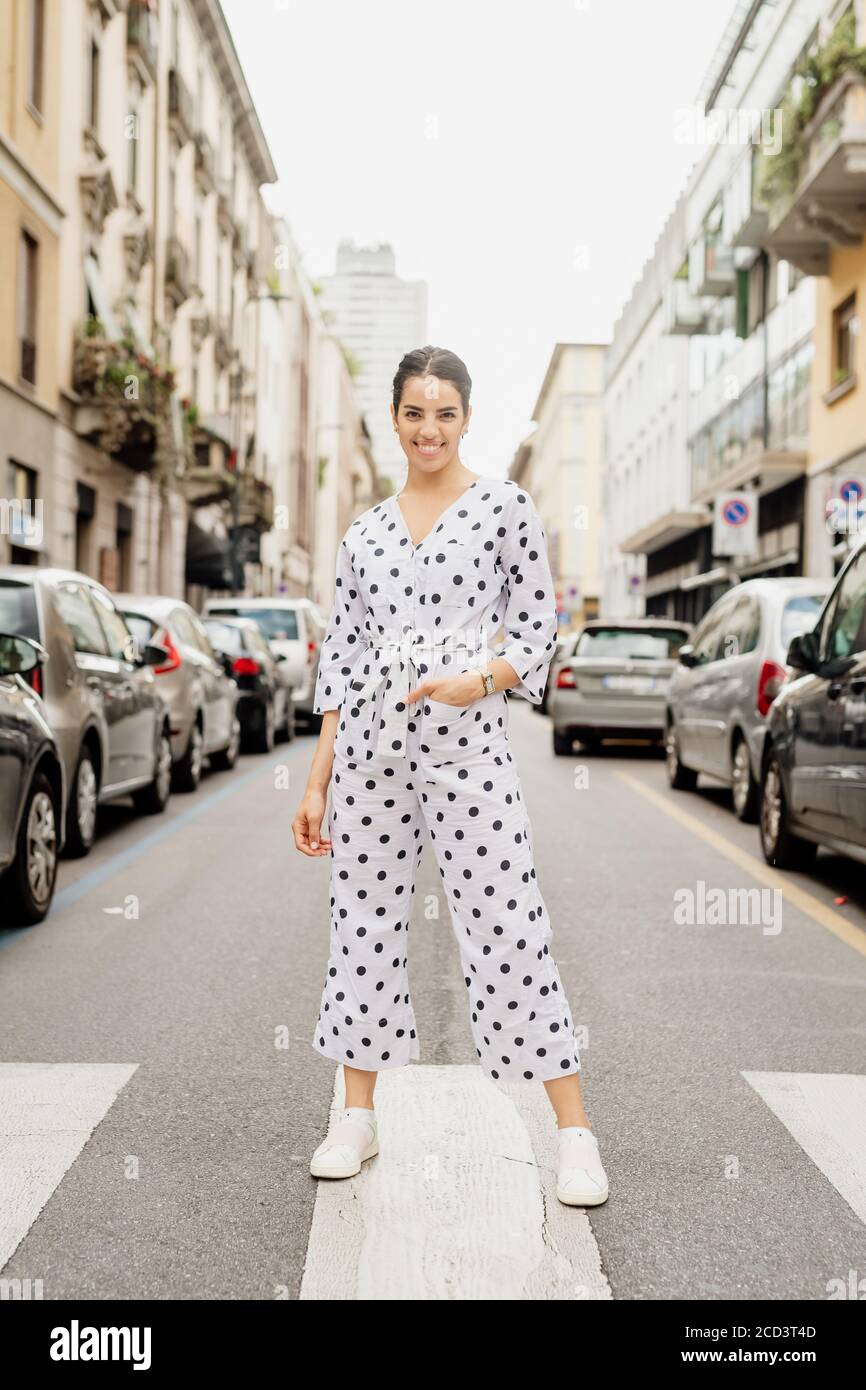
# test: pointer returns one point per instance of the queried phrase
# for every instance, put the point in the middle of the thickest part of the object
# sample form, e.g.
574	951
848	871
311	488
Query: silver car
294	629
202	697
104	708
727	679
615	683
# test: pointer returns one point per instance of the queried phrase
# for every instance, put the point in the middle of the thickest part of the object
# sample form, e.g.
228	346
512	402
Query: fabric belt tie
393	660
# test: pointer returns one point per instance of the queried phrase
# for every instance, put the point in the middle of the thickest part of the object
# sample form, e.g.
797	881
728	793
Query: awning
209	559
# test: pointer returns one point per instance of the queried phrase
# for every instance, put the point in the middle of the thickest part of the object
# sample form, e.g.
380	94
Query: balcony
210	479
256	502
124	400
180	106
178	282
142	40
222	343
205	164
27	361
746	215
682	314
240	248
828	206
224	208
711	266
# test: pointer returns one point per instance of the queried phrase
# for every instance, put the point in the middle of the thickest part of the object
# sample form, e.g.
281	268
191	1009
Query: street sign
735	523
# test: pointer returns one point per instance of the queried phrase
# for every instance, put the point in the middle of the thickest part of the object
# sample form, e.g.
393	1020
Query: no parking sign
735	523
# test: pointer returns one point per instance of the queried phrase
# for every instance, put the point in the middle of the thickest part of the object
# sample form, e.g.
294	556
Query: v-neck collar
402	520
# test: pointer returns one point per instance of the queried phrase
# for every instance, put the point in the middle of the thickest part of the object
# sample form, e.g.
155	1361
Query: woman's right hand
307	825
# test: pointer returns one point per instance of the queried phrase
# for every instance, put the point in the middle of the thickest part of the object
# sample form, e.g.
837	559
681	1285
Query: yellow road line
758	868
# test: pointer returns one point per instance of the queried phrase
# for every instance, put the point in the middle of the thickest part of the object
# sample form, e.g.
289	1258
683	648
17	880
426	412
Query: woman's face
430	422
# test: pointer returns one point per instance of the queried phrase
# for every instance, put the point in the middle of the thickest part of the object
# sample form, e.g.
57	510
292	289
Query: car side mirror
803	652
279	656
687	656
155	655
18	655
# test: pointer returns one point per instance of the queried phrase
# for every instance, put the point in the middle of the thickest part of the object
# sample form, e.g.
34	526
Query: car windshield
630	643
141	627
274	623
225	637
18	615
800	615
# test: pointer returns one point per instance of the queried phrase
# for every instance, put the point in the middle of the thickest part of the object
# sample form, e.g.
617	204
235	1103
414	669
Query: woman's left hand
450	690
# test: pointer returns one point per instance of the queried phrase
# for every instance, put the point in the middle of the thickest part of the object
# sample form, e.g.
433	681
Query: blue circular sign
851	491
736	512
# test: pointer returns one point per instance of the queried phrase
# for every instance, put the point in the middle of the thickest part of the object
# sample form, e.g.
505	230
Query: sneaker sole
574	1199
319	1170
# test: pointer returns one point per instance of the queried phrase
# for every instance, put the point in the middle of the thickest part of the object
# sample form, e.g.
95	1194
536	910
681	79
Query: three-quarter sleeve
530	609
344	637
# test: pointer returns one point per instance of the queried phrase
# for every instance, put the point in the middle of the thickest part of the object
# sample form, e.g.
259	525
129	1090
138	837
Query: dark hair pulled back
433	361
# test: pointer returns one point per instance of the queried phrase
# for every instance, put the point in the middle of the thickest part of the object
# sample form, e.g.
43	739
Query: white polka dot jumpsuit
401	613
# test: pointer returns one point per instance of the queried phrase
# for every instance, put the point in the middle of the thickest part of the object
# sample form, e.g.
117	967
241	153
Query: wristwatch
489	687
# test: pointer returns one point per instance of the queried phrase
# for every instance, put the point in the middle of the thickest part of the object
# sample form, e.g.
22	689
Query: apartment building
560	464
31	219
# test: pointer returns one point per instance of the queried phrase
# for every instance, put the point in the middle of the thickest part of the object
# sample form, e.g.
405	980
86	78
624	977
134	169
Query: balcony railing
763	432
745	213
828	206
178	283
222	342
256	502
711	266
205	166
682	313
124	401
142	38
180	106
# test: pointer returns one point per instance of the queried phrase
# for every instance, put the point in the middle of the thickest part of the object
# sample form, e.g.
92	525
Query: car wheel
563	744
28	885
680	777
225	759
267	732
745	789
187	773
782	849
153	798
81	813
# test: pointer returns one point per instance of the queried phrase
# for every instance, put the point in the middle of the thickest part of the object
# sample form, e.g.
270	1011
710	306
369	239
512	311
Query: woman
415	731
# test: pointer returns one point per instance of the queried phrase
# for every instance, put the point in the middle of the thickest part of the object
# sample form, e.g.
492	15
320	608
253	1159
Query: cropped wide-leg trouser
459	781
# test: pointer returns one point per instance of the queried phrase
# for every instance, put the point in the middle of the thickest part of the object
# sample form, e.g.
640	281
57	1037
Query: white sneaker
352	1140
581	1180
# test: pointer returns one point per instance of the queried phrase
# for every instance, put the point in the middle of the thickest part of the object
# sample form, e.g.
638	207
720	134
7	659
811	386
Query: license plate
636	685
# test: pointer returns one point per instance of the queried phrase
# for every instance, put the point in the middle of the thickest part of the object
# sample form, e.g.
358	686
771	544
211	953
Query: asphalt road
160	1095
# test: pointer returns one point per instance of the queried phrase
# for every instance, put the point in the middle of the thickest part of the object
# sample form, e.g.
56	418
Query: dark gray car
31	789
105	710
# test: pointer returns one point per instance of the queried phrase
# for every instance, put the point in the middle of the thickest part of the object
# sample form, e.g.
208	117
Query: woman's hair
433	361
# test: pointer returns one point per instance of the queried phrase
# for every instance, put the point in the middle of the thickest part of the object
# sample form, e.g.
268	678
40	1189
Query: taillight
311	652
245	666
34	679
565	679
164	640
770	682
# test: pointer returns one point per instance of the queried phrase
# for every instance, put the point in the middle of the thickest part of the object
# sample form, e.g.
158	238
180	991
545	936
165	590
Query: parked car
727	679
295	629
565	645
262	697
201	694
615	683
813	768
107	714
31	789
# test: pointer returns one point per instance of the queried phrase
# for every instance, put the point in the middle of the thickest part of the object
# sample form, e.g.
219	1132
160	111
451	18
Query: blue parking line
76	891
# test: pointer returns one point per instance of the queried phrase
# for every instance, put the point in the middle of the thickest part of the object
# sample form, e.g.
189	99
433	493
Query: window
18	612
78	613
800	615
705	642
132	139
279	623
845	326
93	87
28	276
740	630
115	629
844	633
630	644
37	54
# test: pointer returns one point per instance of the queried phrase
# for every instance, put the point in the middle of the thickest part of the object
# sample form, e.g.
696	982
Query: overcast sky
519	157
